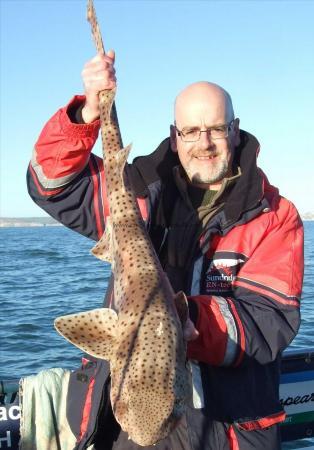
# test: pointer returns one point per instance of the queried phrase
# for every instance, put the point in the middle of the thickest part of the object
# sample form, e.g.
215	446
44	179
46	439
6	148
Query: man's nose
205	139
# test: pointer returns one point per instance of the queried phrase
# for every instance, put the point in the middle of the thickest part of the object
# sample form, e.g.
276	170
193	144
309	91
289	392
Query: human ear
173	138
236	128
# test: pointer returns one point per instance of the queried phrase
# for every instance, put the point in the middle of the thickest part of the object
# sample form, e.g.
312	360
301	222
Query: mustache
197	154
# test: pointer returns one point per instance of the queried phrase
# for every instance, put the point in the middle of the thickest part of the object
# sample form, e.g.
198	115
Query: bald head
201	97
203	110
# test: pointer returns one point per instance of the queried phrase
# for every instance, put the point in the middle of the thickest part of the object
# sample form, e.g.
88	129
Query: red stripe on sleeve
96	200
266	292
105	204
210	346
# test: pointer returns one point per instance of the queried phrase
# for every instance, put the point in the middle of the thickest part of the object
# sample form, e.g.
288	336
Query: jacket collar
246	193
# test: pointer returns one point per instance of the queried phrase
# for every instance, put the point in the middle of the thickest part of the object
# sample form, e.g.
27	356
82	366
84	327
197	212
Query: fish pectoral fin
93	331
103	249
181	303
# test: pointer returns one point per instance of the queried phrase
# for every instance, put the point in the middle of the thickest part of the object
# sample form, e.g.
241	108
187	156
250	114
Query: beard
214	173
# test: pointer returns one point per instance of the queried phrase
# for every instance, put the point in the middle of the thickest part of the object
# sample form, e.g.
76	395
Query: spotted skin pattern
150	380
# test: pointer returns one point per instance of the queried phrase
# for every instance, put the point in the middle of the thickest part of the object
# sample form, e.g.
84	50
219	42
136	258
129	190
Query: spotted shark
143	339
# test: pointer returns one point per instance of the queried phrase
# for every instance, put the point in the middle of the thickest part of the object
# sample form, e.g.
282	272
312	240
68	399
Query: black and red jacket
245	276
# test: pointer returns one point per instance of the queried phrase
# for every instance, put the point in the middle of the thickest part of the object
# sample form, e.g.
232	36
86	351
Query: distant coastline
7	222
308	216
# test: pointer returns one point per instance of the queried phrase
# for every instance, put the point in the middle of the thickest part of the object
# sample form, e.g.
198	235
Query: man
224	235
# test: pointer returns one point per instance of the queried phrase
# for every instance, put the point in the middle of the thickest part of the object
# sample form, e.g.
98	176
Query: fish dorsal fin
93	331
121	158
104	247
181	304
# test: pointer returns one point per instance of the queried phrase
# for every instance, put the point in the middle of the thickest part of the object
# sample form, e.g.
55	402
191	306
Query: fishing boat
296	396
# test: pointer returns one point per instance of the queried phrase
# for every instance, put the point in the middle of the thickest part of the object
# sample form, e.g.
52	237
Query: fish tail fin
93	331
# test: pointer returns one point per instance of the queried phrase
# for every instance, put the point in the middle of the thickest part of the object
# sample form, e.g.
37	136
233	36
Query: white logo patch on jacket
220	273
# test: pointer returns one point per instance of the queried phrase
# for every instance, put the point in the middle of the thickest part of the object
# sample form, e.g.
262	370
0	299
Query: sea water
49	271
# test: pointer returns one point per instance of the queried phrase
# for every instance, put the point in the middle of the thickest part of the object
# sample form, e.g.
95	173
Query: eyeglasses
193	134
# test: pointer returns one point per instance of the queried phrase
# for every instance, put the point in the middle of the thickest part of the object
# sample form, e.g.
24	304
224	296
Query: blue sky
262	52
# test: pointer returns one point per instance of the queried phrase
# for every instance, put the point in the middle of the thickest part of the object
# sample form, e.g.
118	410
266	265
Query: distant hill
28	222
308	216
50	222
